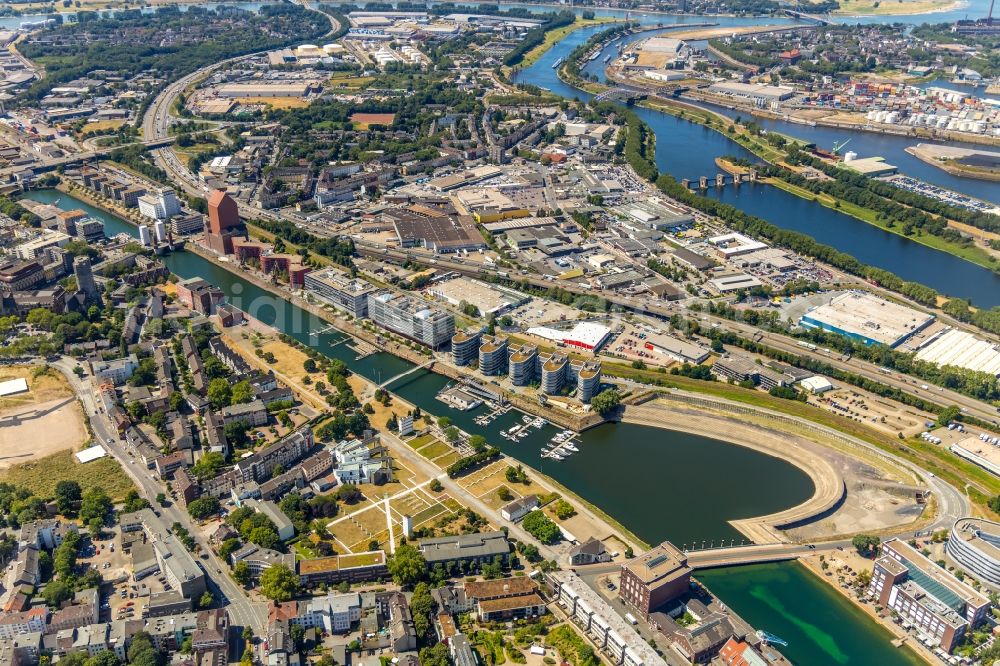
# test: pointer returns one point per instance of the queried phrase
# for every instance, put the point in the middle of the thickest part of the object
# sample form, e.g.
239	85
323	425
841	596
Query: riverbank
828	483
854	122
837	565
943	157
728	128
973	254
552	37
381	342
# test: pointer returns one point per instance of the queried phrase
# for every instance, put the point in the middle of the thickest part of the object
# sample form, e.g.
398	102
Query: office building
173	560
341	291
411	318
480	548
465	347
652	579
975	545
21	275
941	607
223	224
85	278
493	359
523	365
160	205
351	568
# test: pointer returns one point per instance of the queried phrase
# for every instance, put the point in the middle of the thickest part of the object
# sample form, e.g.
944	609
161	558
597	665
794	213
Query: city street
243	612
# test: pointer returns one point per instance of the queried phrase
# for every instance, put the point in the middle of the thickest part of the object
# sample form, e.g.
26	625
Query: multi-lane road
242	611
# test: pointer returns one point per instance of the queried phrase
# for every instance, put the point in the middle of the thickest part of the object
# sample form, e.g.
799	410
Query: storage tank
850	156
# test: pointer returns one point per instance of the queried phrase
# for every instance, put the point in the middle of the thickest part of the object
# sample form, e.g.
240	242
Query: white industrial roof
91	454
587	333
12	386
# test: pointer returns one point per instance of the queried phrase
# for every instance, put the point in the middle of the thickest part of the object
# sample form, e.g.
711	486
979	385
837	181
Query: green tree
279	583
220	393
68	493
208	465
407	565
206	600
95	506
435	656
606	401
241	573
421	605
538	525
948	414
56	592
203	507
866	544
103	658
265	537
242	393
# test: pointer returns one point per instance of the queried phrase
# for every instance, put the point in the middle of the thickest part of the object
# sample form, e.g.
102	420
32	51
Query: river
688	150
658	483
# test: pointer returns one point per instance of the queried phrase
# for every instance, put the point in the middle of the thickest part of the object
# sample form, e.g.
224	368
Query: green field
41	476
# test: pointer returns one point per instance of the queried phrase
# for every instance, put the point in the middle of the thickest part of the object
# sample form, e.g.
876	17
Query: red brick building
654	578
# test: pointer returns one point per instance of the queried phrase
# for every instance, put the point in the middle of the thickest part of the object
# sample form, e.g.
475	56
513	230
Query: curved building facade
974	543
465	347
493	356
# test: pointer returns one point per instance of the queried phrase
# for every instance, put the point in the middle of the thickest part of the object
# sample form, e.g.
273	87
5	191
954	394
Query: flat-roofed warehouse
866	318
752	91
963	350
435	230
486	298
291	89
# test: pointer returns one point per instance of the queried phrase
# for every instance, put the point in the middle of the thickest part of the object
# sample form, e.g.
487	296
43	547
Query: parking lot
121	596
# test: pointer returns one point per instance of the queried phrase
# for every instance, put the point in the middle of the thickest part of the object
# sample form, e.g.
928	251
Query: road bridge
752	554
621	94
812	18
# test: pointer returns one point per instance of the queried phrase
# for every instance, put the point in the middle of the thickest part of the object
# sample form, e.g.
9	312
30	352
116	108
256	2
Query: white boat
570	447
526	419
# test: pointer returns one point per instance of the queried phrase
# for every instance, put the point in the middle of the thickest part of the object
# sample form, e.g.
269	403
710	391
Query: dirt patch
44	420
43	386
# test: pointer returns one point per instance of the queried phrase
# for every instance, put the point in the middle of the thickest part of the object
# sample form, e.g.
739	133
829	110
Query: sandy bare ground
38	430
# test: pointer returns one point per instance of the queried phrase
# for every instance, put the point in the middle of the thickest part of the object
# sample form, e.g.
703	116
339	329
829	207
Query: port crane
839	145
771	639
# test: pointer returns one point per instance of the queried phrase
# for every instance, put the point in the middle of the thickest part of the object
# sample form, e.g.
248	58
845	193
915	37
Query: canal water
786	600
658	483
688	150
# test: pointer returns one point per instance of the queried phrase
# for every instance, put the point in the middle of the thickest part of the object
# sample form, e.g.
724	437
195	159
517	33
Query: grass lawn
41	476
361	560
444	461
350	82
423	440
435	450
276	102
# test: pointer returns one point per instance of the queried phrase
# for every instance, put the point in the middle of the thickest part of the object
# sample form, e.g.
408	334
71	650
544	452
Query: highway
242	611
935	394
156	126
